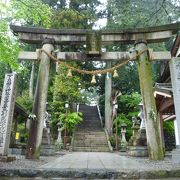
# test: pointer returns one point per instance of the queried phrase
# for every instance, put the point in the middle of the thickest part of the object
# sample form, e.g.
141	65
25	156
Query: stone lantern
59	142
123	137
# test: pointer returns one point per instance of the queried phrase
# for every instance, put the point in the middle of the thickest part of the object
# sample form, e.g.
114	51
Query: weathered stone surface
104	56
74	36
176	155
92	174
153	133
7	158
6	111
175	78
154	174
108	104
39	106
138	151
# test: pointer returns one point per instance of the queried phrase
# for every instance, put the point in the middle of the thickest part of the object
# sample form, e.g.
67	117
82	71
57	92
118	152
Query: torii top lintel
79	36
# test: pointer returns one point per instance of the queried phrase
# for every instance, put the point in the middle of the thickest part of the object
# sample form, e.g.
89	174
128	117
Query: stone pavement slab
92	160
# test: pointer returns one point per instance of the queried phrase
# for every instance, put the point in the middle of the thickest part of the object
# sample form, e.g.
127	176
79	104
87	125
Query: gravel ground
21	162
147	164
157	165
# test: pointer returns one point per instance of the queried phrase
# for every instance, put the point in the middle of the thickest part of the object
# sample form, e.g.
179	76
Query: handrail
107	136
77	107
99	113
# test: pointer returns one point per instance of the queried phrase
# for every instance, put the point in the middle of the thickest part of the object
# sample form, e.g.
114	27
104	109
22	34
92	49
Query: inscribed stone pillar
39	107
175	79
6	111
108	105
153	133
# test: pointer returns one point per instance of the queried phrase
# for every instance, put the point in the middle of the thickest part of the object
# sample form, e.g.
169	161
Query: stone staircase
89	135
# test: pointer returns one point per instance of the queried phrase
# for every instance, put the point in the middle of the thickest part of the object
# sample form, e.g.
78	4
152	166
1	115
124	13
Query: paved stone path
102	165
92	160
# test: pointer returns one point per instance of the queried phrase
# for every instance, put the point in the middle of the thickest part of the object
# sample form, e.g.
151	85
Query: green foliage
70	120
122	118
65	88
4	68
88	9
32	12
25	101
23	133
127	108
9	49
56	4
135	13
67	18
128	104
168	127
128	80
112	140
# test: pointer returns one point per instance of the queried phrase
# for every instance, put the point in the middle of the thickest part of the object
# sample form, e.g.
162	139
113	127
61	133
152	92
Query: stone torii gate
94	41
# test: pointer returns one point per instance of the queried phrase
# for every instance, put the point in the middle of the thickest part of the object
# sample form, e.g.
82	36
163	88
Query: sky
101	22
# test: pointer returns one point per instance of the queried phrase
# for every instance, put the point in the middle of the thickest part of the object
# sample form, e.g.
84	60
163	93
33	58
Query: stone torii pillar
39	106
153	133
108	104
175	79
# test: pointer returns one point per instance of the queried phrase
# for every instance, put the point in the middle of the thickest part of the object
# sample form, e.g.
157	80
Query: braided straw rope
95	72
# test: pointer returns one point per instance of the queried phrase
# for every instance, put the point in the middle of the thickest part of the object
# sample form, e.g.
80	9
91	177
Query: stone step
83	136
93	137
97	133
90	144
103	139
88	149
89	135
90	139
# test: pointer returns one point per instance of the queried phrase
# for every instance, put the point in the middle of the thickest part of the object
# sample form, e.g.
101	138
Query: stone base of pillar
141	139
138	151
139	148
47	147
123	147
47	150
176	155
7	158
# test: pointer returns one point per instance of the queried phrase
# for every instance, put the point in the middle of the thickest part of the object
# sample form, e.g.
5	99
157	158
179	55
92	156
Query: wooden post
39	107
108	104
153	133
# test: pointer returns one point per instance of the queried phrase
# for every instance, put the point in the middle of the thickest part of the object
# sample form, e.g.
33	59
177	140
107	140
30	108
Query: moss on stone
93	41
